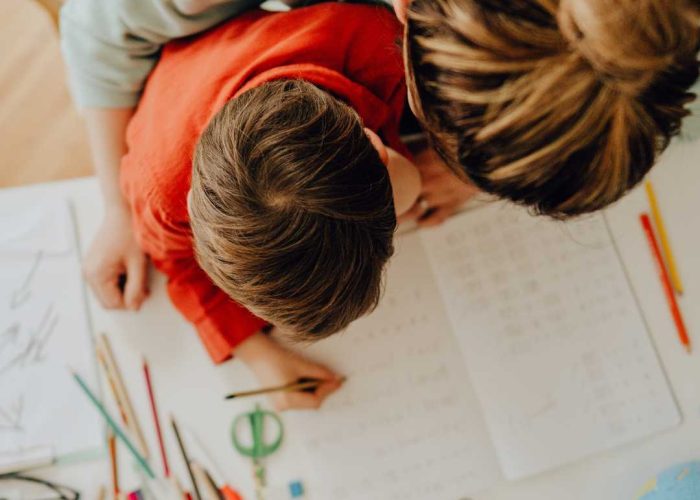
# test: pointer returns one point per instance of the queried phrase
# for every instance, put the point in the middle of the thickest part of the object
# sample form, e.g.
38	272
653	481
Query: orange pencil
112	441
665	281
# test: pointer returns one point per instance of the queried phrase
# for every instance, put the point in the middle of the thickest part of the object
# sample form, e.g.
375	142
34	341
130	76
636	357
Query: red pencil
665	281
154	411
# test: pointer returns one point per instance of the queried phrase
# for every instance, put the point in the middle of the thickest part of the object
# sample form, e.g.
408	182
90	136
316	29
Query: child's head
562	105
291	208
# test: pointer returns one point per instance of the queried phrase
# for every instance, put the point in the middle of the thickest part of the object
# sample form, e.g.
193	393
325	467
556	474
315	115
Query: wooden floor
42	137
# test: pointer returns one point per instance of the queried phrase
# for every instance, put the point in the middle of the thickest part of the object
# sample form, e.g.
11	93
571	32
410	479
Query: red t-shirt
349	50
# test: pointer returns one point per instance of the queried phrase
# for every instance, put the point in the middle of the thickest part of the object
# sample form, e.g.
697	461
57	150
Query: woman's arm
111	46
115	267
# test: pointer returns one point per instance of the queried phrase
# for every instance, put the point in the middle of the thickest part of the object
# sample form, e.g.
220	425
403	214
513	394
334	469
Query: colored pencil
178	487
302	384
665	281
663	237
112	442
220	494
114	378
213	472
101	357
101	493
156	420
185	457
209	491
140	460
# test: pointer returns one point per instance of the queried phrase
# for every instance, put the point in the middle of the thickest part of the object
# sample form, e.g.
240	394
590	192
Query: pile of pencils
207	481
665	263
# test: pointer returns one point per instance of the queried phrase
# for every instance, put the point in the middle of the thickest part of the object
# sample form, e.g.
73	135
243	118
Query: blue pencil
114	426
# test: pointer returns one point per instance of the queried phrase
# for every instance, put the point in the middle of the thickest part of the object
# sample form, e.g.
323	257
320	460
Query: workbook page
43	330
551	333
406	424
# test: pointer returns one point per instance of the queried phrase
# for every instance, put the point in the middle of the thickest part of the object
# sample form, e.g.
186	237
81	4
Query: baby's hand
275	365
442	192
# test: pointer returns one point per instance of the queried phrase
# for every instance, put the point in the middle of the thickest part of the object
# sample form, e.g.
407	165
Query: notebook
505	345
44	328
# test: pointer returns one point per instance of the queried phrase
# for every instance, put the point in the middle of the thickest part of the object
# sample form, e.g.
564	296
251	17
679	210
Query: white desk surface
190	387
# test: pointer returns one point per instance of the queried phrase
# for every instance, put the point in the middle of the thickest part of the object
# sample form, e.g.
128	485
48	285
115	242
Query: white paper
553	339
43	330
405	425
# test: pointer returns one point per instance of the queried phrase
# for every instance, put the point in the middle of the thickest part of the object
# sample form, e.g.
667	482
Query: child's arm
274	365
227	328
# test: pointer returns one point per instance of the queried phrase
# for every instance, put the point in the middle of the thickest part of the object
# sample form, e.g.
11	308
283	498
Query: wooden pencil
208	489
302	384
663	238
120	393
665	282
185	457
112	442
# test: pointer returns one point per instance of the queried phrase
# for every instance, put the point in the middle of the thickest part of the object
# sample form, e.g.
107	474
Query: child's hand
275	365
442	192
114	254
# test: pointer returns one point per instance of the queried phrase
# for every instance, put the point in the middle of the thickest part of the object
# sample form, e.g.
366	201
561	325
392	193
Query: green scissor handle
258	448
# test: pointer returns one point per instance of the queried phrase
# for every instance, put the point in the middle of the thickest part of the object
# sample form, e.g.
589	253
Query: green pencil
114	426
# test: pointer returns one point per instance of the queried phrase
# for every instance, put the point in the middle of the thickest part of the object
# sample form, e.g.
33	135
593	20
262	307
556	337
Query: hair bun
628	42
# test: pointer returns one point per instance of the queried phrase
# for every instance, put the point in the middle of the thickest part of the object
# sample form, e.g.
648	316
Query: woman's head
561	105
291	208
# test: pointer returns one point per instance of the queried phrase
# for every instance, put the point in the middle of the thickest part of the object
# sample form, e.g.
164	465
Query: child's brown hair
291	208
561	105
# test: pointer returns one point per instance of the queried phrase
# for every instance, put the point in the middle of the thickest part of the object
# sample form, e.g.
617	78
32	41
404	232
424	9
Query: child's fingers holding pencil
305	400
282	367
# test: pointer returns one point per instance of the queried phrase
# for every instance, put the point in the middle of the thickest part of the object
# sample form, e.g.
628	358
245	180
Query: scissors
257	447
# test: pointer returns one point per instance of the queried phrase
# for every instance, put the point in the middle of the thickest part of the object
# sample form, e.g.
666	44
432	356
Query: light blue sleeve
111	46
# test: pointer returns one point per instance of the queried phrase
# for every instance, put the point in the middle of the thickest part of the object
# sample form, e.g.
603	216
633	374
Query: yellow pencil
665	245
106	358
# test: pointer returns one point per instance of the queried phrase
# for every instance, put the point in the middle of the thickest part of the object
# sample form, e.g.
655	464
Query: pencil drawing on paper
43	328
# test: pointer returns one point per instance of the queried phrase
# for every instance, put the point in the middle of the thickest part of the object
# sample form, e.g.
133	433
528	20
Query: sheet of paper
406	424
43	330
553	339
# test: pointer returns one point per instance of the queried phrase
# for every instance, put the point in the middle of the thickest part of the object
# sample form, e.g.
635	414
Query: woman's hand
275	365
115	267
442	192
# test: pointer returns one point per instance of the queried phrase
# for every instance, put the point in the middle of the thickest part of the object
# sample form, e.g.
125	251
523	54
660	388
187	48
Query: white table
190	387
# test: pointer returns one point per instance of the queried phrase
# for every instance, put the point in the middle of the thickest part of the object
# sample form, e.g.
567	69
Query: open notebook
505	345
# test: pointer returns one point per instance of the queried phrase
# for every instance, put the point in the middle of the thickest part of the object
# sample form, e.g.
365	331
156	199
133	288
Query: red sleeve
221	323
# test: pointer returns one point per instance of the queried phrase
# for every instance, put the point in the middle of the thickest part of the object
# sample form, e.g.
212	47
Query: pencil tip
689	348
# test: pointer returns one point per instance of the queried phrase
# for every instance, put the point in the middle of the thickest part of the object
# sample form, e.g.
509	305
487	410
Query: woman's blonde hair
561	105
291	208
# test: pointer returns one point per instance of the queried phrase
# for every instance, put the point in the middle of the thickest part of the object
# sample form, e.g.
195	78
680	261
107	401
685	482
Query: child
292	203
